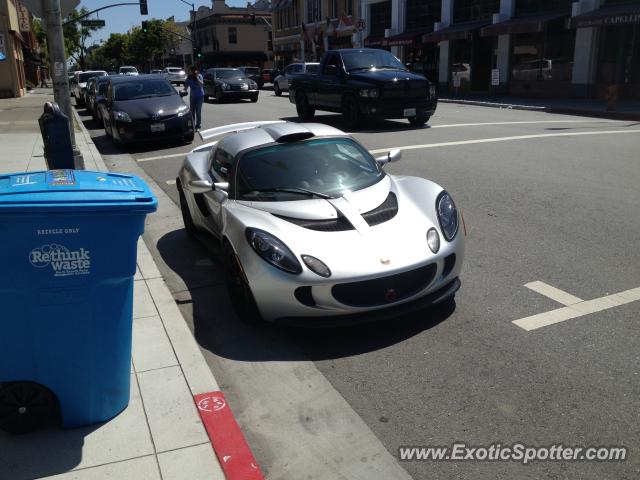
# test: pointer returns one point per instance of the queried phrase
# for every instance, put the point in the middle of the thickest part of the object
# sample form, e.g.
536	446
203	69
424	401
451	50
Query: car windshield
144	88
252	71
302	170
313	68
83	77
229	73
370	59
128	69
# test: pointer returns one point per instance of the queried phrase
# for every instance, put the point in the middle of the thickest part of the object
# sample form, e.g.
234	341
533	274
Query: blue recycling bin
68	256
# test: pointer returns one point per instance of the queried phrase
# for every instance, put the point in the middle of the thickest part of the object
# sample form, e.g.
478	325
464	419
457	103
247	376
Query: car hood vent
339	224
383	213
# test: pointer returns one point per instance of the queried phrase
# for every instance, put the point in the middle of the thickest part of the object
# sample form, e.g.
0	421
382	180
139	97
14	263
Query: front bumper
140	130
396	108
239	94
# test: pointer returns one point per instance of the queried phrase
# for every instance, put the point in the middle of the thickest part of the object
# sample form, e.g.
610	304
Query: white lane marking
579	309
160	157
502	139
553	293
533	122
171	182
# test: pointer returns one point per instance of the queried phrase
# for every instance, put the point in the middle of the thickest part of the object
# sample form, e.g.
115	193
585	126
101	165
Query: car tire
276	90
305	111
242	299
419	120
351	112
26	406
105	124
187	219
254	99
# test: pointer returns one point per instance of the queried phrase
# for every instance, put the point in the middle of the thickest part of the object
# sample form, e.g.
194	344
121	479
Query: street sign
495	77
35	7
361	25
92	23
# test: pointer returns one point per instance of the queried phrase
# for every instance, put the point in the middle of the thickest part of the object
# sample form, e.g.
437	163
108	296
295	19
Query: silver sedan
175	75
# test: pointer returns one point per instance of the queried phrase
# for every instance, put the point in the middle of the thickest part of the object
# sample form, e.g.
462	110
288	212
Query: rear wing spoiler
234	128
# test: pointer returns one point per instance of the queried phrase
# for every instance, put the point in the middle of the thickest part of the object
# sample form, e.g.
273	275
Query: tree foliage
76	37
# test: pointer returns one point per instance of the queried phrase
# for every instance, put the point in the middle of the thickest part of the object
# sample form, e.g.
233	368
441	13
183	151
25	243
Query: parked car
269	75
229	84
175	75
295	249
145	107
80	83
281	82
364	83
128	70
254	74
86	92
96	94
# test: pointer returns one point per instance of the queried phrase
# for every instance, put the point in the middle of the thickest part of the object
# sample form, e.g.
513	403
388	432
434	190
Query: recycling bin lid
61	190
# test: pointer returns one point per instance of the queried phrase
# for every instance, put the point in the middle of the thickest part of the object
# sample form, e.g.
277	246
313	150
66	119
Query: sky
121	19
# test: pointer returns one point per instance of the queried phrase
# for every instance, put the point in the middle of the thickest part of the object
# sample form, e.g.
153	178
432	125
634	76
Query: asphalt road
559	204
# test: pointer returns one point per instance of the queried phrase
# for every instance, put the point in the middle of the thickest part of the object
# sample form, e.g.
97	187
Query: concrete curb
610	115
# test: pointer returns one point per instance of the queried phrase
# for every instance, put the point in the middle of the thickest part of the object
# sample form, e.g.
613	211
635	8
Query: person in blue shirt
195	84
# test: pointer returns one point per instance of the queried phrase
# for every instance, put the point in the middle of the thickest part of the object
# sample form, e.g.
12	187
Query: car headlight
224	86
432	90
370	93
273	250
121	116
253	85
183	110
316	266
447	215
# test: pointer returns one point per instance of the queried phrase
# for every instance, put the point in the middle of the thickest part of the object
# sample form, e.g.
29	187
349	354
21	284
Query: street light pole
194	30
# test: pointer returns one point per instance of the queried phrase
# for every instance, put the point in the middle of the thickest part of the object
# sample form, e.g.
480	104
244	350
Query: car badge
155	116
385	260
390	295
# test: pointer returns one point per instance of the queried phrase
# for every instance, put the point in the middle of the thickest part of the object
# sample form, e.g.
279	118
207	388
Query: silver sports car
313	230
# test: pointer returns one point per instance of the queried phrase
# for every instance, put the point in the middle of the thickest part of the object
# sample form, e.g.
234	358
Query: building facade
305	29
518	47
19	49
232	36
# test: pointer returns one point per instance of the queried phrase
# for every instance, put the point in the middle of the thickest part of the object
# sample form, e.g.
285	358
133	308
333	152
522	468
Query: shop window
380	15
528	7
470	10
422	13
619	61
536	58
233	35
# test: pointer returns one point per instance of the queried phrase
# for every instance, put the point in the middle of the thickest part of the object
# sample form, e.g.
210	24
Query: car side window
332	61
298	69
221	165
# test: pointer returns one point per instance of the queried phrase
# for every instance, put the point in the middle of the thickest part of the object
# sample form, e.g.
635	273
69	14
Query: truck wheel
276	90
305	111
419	120
351	112
25	407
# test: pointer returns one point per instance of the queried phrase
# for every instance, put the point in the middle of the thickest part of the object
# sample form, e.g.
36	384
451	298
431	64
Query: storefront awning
407	38
623	14
457	31
374	41
527	24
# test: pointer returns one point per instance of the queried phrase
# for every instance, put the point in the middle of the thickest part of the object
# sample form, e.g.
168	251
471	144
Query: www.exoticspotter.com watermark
516	452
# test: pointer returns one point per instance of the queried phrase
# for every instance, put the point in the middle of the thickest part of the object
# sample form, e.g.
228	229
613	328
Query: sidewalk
625	110
161	434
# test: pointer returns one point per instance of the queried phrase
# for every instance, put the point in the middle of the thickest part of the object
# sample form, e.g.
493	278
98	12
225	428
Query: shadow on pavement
370	126
207	308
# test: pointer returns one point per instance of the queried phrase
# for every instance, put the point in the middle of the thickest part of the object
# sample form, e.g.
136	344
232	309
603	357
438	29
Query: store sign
622	19
611	20
3	51
23	17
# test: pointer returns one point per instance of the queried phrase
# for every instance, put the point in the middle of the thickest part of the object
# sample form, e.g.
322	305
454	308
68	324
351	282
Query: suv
281	82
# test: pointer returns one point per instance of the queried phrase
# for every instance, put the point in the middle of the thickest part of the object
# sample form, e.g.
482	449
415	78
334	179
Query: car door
209	83
328	82
220	171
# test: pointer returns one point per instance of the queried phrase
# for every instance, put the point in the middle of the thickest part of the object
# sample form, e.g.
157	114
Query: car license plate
157	127
244	86
409	112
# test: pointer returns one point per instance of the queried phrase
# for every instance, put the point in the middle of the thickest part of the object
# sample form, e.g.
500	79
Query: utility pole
58	62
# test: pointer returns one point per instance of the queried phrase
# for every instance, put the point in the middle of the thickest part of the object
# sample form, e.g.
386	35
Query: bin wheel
25	407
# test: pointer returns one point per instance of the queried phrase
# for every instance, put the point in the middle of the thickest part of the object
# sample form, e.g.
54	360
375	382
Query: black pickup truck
362	83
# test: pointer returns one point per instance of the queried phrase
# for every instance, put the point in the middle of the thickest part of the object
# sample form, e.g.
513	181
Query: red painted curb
232	450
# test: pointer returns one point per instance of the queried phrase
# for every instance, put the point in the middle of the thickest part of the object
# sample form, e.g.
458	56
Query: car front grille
405	89
385	212
384	290
238	87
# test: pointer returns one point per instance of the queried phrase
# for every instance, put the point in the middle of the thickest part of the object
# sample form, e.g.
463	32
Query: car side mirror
392	156
183	93
222	186
200	186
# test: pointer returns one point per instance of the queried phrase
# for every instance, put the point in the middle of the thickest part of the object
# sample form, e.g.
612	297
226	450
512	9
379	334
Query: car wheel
351	112
305	111
189	226
276	90
419	120
241	297
254	99
25	407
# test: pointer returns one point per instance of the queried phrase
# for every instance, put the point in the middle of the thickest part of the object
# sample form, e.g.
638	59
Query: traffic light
145	26
197	53
143	7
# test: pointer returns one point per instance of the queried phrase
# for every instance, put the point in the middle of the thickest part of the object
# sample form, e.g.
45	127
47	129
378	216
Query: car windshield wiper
300	190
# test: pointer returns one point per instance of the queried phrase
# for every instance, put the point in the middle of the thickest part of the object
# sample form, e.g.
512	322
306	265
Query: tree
76	37
41	38
141	47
